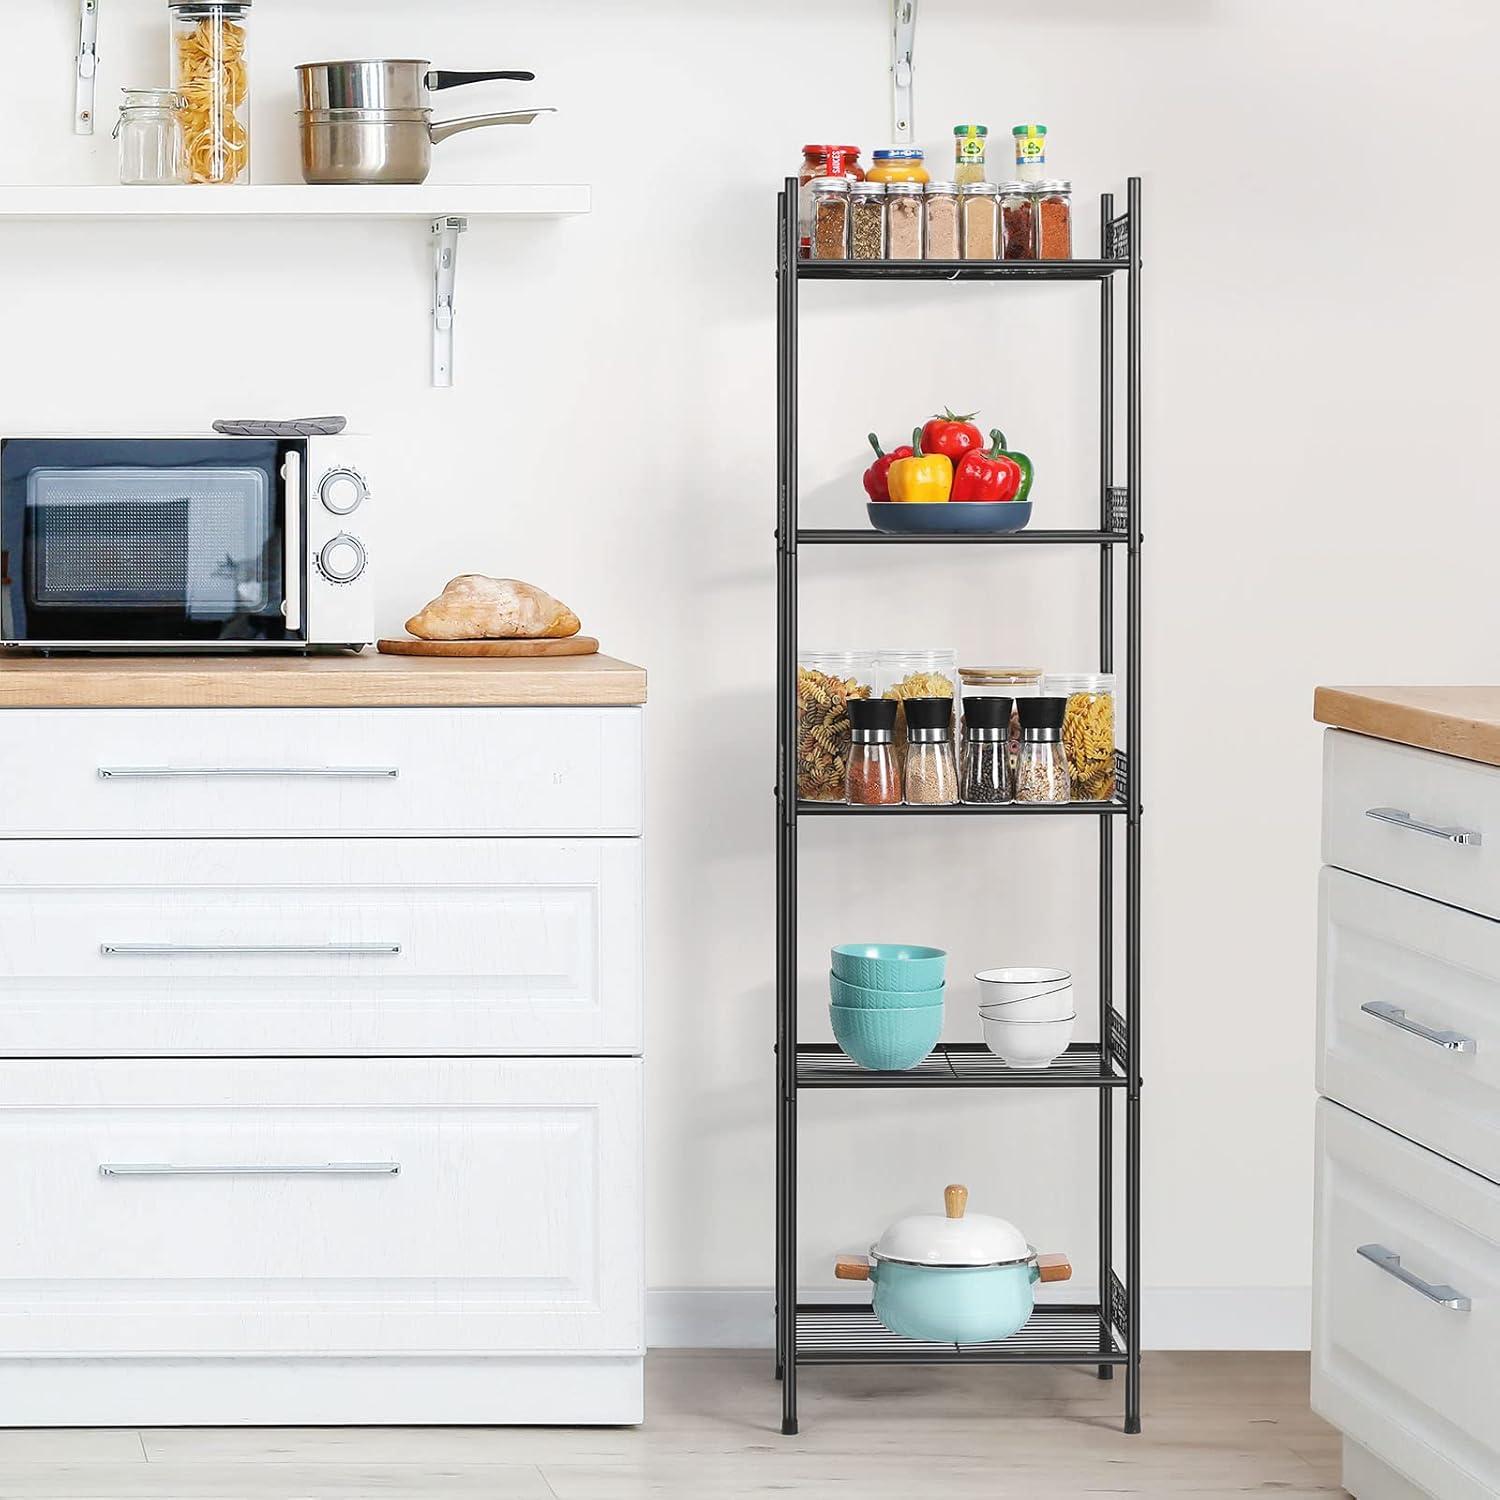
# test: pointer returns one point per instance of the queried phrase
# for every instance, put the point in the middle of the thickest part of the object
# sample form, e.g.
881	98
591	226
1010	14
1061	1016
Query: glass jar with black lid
1042	771
986	759
873	778
931	775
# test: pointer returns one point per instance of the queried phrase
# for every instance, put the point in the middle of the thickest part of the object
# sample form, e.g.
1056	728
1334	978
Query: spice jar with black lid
1042	771
931	775
874	779
986	772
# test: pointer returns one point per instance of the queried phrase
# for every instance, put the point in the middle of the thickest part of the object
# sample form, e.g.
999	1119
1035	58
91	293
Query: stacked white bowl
1027	1014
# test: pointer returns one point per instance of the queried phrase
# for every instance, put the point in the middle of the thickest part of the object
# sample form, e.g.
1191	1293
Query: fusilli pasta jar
915	674
210	73
1088	731
826	681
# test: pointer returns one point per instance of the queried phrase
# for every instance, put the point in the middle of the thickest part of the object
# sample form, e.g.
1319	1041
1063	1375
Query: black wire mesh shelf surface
832	536
959	270
957	1065
840	1333
1117	808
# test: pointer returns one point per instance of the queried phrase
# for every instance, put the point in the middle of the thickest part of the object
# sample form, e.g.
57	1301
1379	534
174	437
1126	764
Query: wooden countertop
368	680
1462	721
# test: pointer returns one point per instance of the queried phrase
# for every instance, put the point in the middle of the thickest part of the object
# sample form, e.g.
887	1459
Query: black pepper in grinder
1042	771
986	766
931	775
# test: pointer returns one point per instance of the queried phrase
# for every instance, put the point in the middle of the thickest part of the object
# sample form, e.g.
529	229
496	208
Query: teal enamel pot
953	1278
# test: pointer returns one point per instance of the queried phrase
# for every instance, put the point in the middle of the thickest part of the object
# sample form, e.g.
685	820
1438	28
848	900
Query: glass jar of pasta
915	674
826	682
210	74
1088	731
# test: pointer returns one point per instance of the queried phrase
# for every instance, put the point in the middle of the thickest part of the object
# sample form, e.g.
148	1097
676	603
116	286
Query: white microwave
207	544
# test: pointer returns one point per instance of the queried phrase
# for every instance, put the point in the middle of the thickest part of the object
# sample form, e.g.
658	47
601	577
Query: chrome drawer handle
252	773
267	1169
1390	1263
1393	1015
1402	819
259	950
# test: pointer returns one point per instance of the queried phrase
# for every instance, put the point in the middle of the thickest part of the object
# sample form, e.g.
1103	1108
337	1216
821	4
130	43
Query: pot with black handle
384	83
953	1279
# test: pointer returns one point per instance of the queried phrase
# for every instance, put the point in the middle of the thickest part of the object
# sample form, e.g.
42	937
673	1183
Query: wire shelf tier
960	270
848	1333
821	1065
834	536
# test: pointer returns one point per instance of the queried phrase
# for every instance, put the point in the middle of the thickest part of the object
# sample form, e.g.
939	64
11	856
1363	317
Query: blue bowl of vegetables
951	518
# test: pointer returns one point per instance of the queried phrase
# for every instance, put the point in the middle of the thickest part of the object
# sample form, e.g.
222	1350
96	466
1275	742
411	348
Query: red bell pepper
952	436
988	476
877	486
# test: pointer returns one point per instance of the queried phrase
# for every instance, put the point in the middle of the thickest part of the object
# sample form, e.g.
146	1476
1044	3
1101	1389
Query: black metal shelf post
1105	1333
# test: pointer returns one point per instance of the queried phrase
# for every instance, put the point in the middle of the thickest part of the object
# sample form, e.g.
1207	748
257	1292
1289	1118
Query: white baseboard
1171	1317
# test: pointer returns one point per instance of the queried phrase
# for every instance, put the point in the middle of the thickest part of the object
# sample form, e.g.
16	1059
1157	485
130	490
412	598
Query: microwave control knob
343	491
343	559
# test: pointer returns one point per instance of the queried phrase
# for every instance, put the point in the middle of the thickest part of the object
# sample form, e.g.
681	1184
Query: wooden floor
1215	1425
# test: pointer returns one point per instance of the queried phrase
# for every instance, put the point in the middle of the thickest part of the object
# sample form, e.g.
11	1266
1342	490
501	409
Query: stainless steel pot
385	146
382	83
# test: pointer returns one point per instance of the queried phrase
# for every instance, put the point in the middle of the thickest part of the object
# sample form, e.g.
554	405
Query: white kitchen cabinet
321	1050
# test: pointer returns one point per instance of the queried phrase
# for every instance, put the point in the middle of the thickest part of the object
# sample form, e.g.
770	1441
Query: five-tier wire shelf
1104	1332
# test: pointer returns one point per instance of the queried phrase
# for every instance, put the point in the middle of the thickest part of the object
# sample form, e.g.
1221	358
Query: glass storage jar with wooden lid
867	221
981	234
1054	220
898	164
830	221
904	220
1004	682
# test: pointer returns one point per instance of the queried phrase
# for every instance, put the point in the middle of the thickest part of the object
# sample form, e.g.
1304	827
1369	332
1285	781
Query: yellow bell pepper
922	479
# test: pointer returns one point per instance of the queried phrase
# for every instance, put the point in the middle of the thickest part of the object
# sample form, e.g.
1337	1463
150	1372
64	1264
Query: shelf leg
87	67
445	232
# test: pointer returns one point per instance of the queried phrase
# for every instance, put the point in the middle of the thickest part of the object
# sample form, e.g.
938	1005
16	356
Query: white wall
1320	373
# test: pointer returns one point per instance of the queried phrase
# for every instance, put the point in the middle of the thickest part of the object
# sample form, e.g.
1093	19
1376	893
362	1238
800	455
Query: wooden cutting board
577	645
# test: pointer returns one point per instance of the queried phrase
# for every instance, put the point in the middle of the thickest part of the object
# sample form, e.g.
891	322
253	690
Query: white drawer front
1409	1016
1409	1378
512	1225
252	772
1426	803
318	947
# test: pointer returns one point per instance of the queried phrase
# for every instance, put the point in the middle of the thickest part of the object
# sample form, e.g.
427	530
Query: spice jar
981	237
873	779
1010	682
898	164
867	221
931	776
827	681
968	152
831	219
1031	152
1054	216
1017	221
1042	771
940	205
1088	731
900	675
821	161
903	215
209	72
150	136
986	767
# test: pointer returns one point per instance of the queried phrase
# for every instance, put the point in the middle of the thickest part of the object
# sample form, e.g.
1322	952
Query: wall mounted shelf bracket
903	46
445	232
87	67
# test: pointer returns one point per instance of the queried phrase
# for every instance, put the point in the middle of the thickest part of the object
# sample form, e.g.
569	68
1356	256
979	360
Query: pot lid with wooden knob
954	1237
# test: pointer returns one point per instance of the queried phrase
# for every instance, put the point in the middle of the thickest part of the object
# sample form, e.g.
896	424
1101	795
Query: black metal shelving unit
1105	1333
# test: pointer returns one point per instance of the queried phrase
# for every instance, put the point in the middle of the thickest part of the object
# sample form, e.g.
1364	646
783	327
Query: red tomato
953	436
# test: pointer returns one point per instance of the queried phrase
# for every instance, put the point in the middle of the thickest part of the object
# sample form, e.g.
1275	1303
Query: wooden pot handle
1053	1268
955	1199
852	1268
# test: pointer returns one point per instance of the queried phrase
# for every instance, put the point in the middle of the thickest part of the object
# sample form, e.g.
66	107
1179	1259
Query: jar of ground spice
873	779
981	228
931	775
1017	221
821	161
941	204
867	221
830	229
1054	214
903	216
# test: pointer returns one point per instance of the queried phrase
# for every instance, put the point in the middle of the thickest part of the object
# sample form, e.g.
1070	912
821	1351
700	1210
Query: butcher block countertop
342	681
1461	721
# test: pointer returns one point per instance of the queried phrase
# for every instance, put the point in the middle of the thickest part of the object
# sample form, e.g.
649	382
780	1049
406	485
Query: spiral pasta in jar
1088	731
210	74
826	682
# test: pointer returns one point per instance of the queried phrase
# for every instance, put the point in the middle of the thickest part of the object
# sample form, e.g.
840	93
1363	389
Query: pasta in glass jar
210	73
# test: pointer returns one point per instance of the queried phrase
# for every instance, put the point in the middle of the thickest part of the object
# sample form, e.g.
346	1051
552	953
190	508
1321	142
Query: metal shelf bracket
86	67
445	233
903	46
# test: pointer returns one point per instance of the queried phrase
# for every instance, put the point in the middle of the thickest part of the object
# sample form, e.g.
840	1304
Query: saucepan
950	1279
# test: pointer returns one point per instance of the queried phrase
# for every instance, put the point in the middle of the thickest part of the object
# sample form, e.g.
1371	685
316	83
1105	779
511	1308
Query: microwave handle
291	473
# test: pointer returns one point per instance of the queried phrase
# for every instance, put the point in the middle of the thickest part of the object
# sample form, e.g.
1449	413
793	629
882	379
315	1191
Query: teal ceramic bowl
857	997
887	1041
903	967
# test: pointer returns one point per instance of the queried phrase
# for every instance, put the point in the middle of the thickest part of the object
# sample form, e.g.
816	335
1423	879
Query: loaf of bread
476	608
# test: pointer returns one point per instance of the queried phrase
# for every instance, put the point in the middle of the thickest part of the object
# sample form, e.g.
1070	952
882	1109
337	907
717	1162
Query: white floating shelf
294	201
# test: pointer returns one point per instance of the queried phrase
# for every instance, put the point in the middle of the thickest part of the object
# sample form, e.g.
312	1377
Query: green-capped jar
969	142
